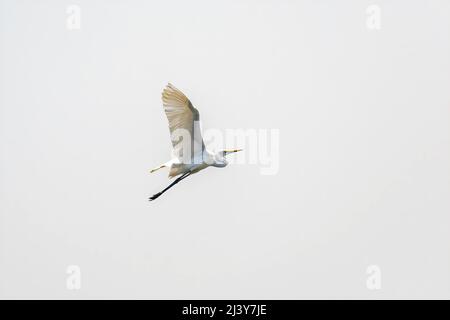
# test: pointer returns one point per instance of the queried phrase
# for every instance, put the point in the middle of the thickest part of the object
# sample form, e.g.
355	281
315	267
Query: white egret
189	152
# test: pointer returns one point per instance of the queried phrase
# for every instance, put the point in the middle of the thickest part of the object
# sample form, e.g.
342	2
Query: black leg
156	195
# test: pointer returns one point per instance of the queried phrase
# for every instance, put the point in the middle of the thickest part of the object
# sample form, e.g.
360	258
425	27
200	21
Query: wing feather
181	114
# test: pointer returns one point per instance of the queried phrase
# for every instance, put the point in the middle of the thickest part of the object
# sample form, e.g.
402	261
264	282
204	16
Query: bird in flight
189	152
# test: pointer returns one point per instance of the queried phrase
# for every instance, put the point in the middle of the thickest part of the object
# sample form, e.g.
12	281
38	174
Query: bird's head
220	157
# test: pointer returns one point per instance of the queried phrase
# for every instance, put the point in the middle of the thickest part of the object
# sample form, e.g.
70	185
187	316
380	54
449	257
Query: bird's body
177	167
189	152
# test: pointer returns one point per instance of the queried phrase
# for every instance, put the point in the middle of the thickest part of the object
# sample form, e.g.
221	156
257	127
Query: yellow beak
232	151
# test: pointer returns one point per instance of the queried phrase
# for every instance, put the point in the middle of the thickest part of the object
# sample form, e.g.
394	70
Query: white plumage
189	152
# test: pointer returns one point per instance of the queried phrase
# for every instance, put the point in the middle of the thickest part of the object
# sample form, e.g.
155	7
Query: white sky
363	118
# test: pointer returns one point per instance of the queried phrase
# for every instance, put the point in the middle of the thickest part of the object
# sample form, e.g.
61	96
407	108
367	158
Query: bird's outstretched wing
182	115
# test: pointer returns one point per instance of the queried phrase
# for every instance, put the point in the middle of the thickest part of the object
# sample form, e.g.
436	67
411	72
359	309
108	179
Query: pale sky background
364	125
